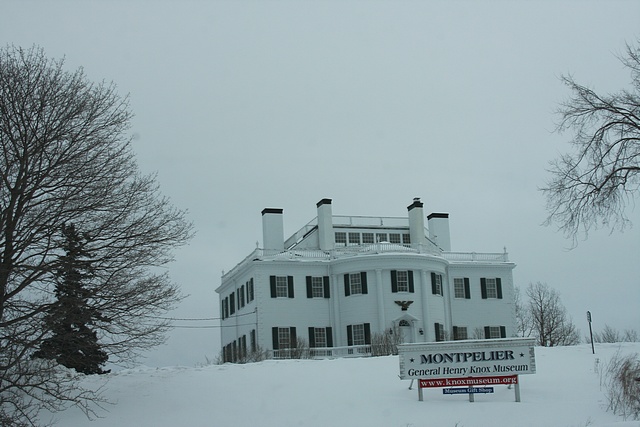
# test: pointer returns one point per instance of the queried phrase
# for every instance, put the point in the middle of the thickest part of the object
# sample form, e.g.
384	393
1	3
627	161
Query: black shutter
467	288
274	336
433	284
309	288
394	281
312	336
347	289
329	334
294	340
499	287
503	332
483	287
325	281
367	333
232	302
411	286
290	285
455	332
349	335
363	278
487	332
272	281
437	330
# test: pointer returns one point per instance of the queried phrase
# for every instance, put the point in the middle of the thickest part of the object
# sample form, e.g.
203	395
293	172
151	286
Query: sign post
593	349
476	365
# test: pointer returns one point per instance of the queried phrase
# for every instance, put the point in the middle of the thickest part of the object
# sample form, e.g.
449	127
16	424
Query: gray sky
242	105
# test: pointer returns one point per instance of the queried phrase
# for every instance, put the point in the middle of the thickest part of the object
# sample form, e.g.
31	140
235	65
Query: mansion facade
340	280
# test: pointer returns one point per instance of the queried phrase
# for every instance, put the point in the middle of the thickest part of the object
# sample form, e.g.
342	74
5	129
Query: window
406	239
318	287
460	333
491	288
367	238
436	284
283	337
252	338
341	238
381	237
359	334
281	286
354	239
241	299
439	329
461	288
394	238
355	283
250	295
402	281
320	337
232	303
495	332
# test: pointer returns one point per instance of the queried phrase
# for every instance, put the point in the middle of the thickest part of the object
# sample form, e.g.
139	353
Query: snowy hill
565	392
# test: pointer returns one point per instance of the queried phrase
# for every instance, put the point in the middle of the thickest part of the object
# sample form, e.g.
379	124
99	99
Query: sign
468	358
467	390
453	382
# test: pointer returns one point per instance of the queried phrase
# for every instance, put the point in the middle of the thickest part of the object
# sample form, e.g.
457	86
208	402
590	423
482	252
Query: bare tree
592	185
65	158
551	324
524	323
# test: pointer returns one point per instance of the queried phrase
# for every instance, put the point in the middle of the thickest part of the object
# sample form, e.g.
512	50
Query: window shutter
411	286
232	302
483	287
309	288
433	283
503	332
394	281
455	332
274	335
347	289
325	281
367	333
329	335
467	288
487	332
437	330
272	282
349	335
294	339
499	287
290	283
363	278
312	336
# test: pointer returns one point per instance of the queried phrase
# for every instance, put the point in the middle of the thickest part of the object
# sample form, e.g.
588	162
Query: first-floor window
320	337
439	330
359	334
495	332
460	333
284	337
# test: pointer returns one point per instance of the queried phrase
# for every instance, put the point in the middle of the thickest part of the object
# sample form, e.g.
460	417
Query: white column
381	316
337	324
425	289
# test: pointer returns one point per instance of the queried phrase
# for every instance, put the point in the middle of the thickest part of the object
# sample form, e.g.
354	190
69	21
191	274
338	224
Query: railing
374	248
322	353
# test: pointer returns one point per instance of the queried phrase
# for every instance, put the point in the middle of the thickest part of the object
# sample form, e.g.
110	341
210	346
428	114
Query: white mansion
340	280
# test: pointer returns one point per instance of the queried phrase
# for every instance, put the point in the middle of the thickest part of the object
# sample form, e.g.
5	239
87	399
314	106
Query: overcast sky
242	105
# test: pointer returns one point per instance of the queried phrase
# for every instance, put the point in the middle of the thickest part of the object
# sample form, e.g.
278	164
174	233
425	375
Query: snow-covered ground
565	392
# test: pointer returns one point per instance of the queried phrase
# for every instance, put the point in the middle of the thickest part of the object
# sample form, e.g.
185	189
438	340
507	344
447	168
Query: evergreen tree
73	343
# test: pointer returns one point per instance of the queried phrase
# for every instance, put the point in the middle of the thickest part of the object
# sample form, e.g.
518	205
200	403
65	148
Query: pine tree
72	342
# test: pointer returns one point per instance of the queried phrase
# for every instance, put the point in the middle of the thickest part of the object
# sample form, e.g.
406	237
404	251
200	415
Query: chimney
416	224
326	237
439	230
272	229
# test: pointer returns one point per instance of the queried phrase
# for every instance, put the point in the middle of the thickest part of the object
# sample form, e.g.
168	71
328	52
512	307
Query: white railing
322	353
474	256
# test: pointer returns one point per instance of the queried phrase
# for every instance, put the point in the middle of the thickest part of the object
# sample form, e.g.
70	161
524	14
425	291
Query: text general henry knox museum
455	359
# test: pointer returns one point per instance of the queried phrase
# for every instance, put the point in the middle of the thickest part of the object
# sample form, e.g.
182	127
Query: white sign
468	358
